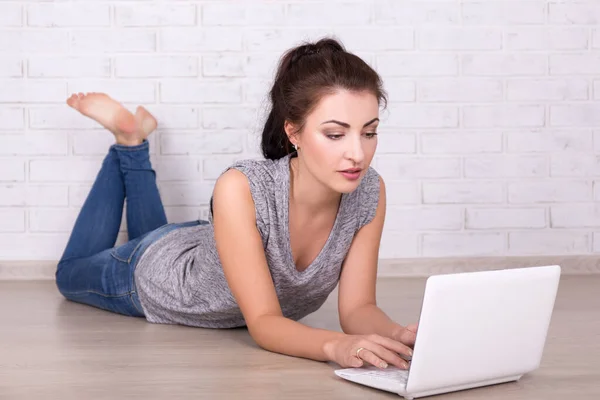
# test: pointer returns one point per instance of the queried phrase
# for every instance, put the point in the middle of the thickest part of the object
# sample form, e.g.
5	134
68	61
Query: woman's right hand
376	350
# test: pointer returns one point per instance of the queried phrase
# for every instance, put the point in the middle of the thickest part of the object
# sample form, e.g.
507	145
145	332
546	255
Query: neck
307	193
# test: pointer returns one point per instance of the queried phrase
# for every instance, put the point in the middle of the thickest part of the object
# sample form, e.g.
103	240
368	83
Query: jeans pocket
126	251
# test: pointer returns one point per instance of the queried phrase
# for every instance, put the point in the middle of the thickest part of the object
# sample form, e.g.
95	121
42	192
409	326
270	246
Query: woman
282	232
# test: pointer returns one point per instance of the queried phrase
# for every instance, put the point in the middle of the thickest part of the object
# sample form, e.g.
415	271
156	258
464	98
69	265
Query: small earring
296	147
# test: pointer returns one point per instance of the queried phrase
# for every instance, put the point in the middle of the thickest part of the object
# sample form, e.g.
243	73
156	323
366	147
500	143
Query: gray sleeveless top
180	279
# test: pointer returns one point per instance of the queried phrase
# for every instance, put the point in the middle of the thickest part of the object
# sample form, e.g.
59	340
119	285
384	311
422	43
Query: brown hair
305	74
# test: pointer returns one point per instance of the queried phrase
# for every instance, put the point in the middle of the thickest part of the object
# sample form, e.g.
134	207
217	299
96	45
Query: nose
355	151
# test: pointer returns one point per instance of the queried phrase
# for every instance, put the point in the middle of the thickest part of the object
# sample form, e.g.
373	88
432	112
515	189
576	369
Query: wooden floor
54	349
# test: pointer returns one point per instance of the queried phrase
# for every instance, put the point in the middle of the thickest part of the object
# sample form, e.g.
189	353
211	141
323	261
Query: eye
334	137
371	135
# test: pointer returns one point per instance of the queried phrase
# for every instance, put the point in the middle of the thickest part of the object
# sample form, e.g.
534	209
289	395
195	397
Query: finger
386	355
391	344
408	337
370	357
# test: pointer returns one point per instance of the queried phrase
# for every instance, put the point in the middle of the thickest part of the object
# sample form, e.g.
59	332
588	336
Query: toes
73	101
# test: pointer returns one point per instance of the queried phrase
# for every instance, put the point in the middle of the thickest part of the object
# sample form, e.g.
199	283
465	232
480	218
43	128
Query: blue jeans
91	270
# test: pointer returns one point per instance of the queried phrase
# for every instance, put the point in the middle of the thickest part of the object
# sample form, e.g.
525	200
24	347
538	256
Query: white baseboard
417	267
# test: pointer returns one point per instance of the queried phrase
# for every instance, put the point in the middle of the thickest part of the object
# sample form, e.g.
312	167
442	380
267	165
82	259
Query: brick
224	14
29	91
575	216
546	89
398	192
186	194
396	143
320	14
213	167
224	65
547	140
177	169
52	219
79	14
151	66
581	12
256	91
122	90
506	166
538	38
575	165
462	192
574	64
64	170
182	214
596	90
461	142
517	64
33	195
88	143
377	39
12	170
423	116
399	245
505	218
11	118
11	66
200	40
596	38
394	167
39	246
228	117
574	115
114	40
415	65
549	191
425	218
174	117
463	244
207	143
200	91
503	12
59	117
401	90
501	116
12	220
11	15
155	15
460	90
69	67
460	39
417	13
278	40
596	245
53	143
549	242
25	41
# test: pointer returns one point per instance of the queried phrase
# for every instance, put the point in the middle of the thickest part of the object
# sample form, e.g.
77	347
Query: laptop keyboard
390	373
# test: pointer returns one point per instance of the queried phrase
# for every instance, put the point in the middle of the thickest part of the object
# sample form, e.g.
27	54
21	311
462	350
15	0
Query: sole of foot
127	128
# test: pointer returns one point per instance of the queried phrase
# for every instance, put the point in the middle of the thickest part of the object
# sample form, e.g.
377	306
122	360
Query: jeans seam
98	293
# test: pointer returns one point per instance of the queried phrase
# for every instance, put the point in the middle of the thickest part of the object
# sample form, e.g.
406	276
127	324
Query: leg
98	223
145	211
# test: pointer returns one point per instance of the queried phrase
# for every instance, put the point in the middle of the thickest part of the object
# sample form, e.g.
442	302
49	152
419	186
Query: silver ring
358	352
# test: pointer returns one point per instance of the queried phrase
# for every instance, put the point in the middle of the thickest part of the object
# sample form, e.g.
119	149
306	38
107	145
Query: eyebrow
346	125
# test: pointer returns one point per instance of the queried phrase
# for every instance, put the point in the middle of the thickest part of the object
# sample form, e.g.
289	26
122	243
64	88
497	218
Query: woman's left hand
405	334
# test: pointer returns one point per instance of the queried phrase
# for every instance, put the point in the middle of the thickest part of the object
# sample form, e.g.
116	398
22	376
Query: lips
351	170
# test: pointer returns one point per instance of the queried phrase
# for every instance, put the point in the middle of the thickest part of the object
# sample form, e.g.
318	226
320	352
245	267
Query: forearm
282	335
368	319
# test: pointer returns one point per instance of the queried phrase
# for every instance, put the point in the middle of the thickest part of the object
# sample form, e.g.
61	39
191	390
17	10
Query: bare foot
145	122
110	114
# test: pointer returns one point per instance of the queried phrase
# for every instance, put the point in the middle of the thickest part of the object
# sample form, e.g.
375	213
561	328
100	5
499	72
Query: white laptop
475	329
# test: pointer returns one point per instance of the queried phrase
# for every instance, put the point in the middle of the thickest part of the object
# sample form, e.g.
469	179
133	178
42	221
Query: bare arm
245	266
358	310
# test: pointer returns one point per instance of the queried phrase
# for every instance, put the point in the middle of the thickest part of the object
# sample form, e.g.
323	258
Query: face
339	135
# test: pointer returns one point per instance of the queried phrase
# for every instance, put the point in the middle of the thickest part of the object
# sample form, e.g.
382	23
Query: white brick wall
490	145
